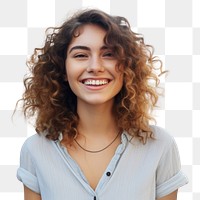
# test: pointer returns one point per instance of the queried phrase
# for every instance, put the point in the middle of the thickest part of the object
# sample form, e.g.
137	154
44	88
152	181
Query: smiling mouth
94	82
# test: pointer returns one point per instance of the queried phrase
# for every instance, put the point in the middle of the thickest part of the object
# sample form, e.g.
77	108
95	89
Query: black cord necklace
97	151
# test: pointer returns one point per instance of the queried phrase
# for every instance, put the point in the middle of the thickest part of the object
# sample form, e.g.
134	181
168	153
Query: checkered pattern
172	26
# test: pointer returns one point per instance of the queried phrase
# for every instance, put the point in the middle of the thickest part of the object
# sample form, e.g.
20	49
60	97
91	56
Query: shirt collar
125	139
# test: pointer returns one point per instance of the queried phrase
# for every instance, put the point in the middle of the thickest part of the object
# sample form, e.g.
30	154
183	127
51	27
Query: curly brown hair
48	96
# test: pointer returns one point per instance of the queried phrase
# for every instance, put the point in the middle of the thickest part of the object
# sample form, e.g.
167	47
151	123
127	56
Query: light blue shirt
136	171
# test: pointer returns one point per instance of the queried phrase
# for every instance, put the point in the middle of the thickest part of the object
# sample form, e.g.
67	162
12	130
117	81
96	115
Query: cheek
71	75
71	83
120	77
120	82
69	69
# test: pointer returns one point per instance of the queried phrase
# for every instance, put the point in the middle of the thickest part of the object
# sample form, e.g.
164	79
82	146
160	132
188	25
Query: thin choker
97	151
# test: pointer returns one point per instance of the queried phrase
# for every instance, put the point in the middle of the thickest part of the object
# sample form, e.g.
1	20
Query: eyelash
80	56
107	54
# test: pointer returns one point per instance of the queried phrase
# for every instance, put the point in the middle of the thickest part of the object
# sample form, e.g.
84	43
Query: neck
96	120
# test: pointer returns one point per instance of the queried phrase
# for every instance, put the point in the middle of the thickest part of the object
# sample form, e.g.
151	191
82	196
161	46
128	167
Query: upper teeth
95	82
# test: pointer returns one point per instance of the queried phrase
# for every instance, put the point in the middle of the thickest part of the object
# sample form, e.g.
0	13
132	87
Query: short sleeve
169	176
26	172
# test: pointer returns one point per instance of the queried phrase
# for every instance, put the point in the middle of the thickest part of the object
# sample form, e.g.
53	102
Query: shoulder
163	140
35	143
33	140
162	135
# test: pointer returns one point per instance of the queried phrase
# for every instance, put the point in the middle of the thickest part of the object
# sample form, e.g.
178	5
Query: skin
88	59
30	195
172	196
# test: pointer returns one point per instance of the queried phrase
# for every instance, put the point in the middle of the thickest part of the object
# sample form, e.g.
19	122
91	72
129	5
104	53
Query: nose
95	65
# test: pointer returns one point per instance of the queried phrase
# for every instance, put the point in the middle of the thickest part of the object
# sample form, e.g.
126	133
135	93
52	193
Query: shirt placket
75	169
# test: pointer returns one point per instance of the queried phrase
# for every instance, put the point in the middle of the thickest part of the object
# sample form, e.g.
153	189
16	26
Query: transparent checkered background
172	26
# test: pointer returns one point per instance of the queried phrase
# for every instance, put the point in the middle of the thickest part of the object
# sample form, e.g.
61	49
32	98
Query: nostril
95	66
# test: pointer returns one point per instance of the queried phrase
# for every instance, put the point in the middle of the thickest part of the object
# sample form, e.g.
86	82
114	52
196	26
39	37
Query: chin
97	101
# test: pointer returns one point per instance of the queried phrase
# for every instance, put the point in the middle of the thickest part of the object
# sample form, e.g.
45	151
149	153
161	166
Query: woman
92	88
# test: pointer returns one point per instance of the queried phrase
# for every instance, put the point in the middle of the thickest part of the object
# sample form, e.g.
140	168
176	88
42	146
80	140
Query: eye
108	54
80	56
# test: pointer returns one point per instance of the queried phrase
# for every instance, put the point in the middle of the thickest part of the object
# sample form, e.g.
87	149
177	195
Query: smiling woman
89	62
92	89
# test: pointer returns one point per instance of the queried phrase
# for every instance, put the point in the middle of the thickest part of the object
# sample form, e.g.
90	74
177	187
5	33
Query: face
91	68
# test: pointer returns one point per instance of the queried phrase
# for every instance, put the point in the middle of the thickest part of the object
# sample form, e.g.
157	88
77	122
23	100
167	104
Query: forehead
88	34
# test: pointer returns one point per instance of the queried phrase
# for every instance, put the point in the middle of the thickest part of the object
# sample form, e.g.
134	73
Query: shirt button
108	173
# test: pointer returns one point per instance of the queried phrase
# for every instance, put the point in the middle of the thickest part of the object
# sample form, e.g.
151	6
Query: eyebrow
85	48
